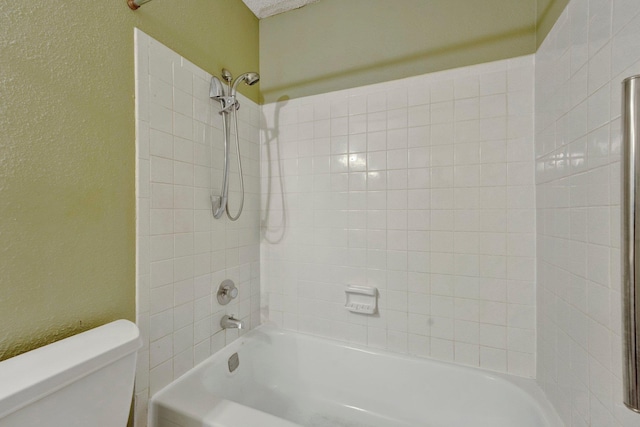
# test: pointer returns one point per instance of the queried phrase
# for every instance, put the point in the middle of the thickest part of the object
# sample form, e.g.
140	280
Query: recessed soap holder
361	299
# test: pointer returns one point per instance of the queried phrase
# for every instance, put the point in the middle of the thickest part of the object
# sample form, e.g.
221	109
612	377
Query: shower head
226	75
249	78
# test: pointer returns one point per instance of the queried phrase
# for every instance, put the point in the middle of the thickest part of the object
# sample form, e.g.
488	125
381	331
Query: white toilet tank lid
37	373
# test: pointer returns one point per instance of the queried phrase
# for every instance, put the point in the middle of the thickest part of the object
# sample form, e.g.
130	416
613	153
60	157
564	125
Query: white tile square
442	349
467	354
160	118
493	83
493	359
420	95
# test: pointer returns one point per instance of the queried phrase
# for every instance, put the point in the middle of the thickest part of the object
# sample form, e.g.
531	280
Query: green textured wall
337	44
67	139
548	12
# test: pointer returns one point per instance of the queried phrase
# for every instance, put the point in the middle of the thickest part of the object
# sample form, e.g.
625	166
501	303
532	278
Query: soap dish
361	299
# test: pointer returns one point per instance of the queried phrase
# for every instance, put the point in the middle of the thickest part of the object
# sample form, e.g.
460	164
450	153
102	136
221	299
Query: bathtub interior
293	379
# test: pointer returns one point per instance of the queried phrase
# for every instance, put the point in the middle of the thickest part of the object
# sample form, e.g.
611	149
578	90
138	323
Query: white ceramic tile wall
423	188
182	252
579	68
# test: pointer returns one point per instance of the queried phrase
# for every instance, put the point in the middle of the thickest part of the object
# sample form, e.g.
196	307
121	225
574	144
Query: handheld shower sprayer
249	78
229	106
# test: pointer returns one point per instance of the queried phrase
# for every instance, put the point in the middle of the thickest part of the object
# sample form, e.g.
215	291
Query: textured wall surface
423	188
67	152
183	253
579	69
335	44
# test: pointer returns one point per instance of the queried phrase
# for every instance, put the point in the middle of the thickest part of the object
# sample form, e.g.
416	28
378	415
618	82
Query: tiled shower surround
422	188
182	252
579	69
430	189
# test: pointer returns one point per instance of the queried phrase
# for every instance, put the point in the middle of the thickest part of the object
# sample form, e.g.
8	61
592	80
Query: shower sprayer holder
229	104
217	206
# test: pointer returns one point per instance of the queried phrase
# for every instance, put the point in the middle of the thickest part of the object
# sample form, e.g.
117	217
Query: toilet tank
82	381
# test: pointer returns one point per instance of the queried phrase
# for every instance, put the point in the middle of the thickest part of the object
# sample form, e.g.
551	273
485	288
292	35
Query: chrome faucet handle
226	292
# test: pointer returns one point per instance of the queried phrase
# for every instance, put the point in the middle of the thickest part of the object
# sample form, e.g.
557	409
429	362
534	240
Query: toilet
82	381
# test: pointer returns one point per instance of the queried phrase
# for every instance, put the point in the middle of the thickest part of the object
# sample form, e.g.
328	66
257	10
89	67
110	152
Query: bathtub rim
528	386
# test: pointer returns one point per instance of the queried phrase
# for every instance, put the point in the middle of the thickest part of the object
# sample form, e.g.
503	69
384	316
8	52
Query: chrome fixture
233	362
229	322
631	241
134	4
229	106
226	292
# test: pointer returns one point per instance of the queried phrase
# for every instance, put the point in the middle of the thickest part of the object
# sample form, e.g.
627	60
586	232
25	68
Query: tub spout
228	322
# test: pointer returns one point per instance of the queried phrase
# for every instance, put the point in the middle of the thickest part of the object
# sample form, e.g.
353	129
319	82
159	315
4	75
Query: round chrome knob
226	292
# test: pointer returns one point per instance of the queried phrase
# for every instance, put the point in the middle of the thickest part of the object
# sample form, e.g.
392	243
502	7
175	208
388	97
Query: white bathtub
286	379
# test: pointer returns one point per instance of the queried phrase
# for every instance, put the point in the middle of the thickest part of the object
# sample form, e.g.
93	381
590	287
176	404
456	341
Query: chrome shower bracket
229	103
218	205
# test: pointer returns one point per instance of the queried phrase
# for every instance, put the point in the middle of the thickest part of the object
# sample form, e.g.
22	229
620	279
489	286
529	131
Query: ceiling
265	8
